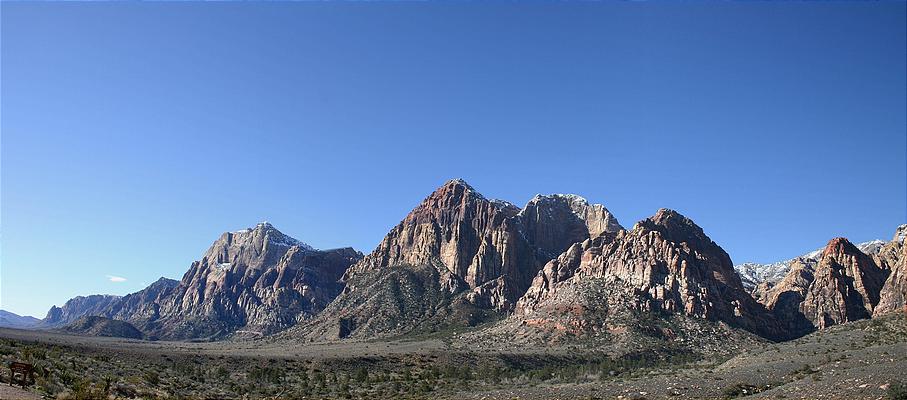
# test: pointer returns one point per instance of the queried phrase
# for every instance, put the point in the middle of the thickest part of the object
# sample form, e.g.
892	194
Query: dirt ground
862	360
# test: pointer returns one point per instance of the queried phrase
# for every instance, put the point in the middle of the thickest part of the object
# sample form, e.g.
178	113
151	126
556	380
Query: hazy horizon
130	143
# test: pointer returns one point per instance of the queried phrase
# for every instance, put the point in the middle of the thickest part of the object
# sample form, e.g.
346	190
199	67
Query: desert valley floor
859	360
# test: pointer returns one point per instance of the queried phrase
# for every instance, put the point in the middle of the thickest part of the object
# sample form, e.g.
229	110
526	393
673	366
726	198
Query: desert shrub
361	375
152	378
266	374
739	389
897	391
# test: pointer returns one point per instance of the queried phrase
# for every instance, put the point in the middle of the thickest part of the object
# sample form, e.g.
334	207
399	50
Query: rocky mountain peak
674	226
665	264
554	222
462	250
846	286
677	228
900	234
839	246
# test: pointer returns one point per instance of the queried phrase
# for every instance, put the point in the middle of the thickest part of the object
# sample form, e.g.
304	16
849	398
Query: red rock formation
488	242
893	255
453	258
846	286
665	264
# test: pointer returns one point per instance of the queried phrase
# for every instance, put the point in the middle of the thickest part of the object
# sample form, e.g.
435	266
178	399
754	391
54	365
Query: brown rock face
485	254
665	264
483	241
893	255
784	298
846	286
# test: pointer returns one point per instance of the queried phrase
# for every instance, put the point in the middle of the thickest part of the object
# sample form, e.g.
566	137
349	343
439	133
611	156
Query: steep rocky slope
76	308
758	278
255	281
893	256
664	266
456	258
846	286
843	284
101	326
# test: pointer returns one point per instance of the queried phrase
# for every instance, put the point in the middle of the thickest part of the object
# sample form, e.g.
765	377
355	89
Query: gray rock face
142	308
484	254
76	308
255	281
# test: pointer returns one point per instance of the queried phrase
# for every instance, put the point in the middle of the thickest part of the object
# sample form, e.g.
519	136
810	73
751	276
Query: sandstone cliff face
463	254
785	297
846	286
488	242
664	265
893	255
76	308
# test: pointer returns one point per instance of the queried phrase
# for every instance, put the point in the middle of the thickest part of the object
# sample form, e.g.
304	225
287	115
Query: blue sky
133	134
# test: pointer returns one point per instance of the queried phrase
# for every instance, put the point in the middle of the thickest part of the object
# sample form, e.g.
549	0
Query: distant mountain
757	277
256	280
76	308
842	284
665	266
12	320
559	268
100	326
893	256
456	259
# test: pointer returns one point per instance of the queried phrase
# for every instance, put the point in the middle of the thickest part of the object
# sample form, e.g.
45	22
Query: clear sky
133	134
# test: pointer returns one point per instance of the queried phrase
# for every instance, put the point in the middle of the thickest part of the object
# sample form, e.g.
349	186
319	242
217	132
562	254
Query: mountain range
556	269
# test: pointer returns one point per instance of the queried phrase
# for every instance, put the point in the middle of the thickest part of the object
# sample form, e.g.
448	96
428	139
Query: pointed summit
666	263
261	233
457	251
845	288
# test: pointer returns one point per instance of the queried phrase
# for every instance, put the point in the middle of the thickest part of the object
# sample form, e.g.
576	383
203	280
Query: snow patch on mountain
752	274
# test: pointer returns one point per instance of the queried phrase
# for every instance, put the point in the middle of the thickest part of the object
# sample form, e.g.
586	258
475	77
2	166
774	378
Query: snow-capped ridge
752	274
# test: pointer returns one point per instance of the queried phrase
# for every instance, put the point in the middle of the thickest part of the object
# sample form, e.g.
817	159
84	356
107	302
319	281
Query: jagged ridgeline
456	259
557	269
256	281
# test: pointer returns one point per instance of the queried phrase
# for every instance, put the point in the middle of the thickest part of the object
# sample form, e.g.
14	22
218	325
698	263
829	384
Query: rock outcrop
255	281
846	286
758	278
840	285
78	307
893	256
665	265
142	308
457	257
